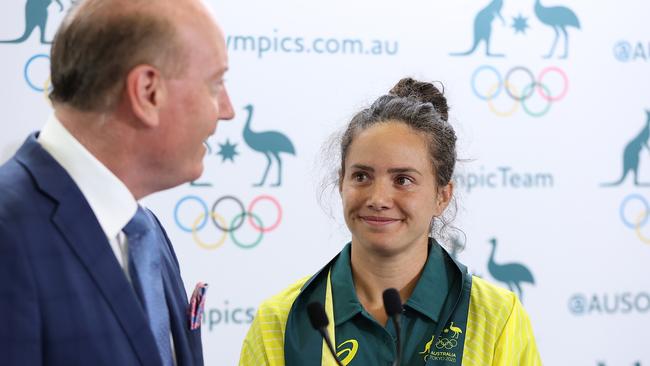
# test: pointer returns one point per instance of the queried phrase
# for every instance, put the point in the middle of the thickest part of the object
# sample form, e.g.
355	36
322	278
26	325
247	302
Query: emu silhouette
632	155
559	18
512	274
35	16
483	28
269	143
454	330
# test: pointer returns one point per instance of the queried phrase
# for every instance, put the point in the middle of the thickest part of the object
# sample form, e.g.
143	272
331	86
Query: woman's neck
372	274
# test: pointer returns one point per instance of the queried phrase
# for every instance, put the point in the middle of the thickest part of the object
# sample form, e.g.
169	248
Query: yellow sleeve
516	344
499	332
264	343
253	352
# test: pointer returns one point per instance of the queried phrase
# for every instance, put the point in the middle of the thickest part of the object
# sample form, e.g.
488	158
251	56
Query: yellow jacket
498	329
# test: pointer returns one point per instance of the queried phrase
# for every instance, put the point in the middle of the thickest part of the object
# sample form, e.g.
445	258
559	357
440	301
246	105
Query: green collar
428	296
304	346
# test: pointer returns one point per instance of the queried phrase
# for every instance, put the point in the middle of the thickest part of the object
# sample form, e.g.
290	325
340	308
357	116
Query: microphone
393	307
319	321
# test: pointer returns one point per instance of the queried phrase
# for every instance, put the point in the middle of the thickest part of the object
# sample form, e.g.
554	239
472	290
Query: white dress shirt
111	201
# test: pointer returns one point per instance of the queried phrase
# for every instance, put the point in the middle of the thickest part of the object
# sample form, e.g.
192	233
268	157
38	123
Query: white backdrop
540	135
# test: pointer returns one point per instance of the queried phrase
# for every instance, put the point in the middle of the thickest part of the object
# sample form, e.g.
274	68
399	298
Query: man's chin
197	172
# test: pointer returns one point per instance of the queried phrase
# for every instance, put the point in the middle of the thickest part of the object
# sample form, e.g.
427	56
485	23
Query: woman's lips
378	220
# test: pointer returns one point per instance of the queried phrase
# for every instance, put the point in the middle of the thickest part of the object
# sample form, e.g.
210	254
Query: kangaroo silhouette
35	16
483	28
427	346
632	155
269	143
512	274
559	18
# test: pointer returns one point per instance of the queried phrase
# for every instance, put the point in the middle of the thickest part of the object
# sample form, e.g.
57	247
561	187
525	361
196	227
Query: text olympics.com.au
275	43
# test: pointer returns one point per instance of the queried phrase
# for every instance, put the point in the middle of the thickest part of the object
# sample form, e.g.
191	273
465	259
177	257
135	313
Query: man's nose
226	111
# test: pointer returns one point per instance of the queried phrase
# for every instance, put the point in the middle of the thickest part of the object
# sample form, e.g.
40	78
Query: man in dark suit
87	275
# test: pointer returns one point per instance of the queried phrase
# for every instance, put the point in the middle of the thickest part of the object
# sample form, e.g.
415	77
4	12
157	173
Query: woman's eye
404	181
359	177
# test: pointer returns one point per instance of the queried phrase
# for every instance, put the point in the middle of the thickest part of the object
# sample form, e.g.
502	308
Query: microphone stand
319	321
393	307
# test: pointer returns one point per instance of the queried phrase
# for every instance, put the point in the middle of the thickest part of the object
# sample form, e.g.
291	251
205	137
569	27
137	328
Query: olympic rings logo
227	227
639	220
521	94
28	73
446	343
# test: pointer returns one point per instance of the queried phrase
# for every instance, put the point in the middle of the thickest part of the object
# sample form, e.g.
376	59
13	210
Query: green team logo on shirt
445	347
348	348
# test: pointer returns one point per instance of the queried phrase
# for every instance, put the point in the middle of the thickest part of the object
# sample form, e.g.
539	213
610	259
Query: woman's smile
379	220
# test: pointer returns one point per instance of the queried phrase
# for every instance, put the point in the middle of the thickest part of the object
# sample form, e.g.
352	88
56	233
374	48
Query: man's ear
145	91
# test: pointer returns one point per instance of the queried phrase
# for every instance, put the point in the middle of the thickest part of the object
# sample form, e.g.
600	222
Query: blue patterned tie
145	268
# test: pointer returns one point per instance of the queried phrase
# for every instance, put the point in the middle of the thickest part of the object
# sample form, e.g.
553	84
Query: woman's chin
383	247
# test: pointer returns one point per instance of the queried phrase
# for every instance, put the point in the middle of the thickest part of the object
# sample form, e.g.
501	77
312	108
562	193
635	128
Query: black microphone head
392	302
317	315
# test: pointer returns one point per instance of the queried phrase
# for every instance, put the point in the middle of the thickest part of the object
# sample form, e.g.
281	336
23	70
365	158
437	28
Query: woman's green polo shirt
490	327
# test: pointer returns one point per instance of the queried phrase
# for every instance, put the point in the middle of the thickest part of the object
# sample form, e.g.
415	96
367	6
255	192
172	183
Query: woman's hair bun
423	92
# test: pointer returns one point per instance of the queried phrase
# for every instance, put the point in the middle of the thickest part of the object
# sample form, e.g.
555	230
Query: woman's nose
379	196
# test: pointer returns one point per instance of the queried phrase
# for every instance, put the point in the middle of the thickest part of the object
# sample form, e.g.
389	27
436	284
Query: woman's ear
443	198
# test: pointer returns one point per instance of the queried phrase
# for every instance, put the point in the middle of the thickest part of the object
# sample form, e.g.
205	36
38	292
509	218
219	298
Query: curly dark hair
419	105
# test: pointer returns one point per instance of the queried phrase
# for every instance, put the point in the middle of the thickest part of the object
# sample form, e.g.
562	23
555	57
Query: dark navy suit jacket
64	299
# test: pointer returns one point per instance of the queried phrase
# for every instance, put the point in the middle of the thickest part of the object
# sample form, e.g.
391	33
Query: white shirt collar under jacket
108	197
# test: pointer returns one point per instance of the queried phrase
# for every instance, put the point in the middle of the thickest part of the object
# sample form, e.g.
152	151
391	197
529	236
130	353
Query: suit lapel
187	343
183	337
78	225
